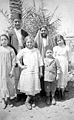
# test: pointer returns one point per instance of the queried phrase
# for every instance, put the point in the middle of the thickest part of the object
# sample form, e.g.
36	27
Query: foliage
34	19
7	18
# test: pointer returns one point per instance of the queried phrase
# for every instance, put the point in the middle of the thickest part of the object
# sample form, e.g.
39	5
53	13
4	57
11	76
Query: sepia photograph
36	59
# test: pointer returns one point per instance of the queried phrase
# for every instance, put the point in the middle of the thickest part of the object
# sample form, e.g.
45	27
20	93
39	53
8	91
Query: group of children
55	70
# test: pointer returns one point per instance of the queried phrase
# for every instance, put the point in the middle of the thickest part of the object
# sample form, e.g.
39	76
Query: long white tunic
62	54
7	84
29	82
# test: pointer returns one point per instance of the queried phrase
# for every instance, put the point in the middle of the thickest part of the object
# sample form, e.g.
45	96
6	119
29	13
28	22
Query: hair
61	37
29	36
5	36
26	38
44	26
47	48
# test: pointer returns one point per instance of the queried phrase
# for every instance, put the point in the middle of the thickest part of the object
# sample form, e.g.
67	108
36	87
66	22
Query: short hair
47	48
29	36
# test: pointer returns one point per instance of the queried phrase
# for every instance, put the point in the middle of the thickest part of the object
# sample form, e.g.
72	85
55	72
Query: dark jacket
13	41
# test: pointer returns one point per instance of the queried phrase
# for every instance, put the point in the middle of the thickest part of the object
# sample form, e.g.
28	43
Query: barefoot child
29	82
51	75
7	64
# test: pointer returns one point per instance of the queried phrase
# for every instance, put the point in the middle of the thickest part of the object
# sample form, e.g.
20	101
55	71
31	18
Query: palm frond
34	19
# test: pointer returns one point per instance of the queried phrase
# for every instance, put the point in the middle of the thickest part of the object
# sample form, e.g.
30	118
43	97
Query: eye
16	21
2	39
43	30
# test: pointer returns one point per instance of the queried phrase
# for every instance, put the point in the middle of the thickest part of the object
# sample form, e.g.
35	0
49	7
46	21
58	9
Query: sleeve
13	58
10	36
40	58
45	62
68	52
20	54
67	47
59	70
10	44
54	52
19	58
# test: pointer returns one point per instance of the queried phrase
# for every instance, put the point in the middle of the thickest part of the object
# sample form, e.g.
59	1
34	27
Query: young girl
61	52
7	64
52	73
29	82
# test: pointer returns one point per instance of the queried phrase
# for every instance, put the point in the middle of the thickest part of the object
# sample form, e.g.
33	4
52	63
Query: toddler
52	72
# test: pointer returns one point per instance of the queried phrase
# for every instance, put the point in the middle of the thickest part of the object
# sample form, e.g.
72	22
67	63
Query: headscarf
39	43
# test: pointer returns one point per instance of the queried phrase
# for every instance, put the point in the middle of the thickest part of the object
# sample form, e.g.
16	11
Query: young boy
51	75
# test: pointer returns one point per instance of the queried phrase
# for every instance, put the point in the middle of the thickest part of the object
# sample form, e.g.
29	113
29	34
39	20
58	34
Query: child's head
29	42
49	53
60	40
4	40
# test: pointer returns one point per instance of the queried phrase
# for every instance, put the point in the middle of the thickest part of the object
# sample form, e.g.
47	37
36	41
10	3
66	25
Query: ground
62	110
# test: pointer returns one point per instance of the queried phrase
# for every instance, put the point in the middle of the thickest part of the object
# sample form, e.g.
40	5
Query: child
29	82
61	52
51	75
7	64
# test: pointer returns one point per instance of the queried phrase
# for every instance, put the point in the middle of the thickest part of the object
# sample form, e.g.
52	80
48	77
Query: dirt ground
63	110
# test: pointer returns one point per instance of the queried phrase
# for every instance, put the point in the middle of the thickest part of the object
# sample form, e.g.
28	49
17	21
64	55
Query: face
29	43
49	53
4	41
43	32
17	23
60	41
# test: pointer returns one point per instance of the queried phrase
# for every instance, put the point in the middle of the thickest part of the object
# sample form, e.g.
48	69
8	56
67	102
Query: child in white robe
61	52
29	82
7	65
